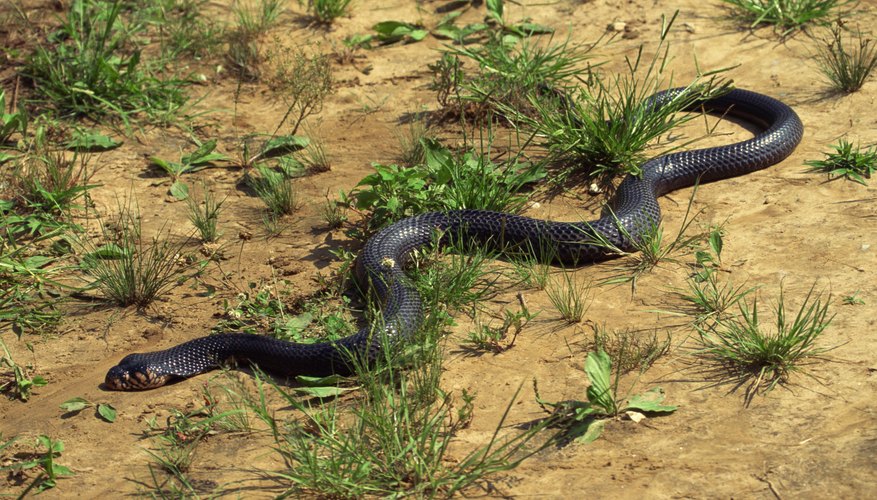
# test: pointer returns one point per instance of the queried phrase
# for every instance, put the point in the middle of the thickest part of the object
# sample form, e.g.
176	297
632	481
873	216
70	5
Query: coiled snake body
634	208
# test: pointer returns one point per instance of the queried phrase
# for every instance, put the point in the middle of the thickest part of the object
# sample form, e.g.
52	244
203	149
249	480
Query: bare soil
815	437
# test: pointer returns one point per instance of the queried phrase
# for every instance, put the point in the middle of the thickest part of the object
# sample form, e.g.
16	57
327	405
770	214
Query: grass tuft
761	356
847	161
788	15
846	67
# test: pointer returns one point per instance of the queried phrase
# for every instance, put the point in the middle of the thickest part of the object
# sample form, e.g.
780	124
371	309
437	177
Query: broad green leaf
650	402
588	431
200	155
528	29
321	392
283	144
716	243
297	324
75	404
109	251
495	8
106	412
310	381
179	190
598	367
91	141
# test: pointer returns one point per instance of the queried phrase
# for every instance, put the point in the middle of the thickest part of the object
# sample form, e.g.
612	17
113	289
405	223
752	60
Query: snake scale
634	208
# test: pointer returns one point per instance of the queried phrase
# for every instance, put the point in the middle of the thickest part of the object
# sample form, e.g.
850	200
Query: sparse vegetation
846	67
787	15
848	162
126	267
763	357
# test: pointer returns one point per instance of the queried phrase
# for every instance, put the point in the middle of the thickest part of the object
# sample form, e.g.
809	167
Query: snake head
134	374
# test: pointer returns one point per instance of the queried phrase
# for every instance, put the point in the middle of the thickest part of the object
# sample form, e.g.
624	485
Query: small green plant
275	189
846	67
765	357
10	123
847	161
326	11
788	15
501	338
18	383
334	213
447	181
126	269
203	157
50	471
584	421
51	181
411	143
204	215
853	300
104	411
570	295
711	301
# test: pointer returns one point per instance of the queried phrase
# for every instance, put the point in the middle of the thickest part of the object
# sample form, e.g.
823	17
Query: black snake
634	208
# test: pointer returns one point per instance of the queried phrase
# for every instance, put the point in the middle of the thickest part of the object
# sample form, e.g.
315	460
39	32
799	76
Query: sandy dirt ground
812	438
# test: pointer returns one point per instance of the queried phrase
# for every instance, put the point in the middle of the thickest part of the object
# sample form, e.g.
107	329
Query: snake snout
132	374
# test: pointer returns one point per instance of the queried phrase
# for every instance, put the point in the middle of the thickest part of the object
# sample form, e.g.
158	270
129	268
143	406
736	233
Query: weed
846	68
334	213
203	157
610	125
853	300
51	181
275	189
847	161
302	81
20	384
766	358
50	471
87	68
10	124
326	11
447	181
570	295
711	301
411	143
583	421
497	338
125	268
788	15
204	215
510	71
395	440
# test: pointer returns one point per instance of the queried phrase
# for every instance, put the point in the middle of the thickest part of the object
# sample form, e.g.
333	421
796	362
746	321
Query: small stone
617	26
594	188
865	247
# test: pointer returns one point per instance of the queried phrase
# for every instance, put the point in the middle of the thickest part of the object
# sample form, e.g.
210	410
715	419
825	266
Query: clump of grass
761	356
127	269
847	161
334	213
510	70
570	295
613	121
89	68
326	11
204	215
51	181
411	143
490	337
846	67
787	15
275	189
712	301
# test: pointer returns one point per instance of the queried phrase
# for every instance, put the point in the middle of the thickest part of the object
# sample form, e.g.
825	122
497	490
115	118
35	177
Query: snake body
379	266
